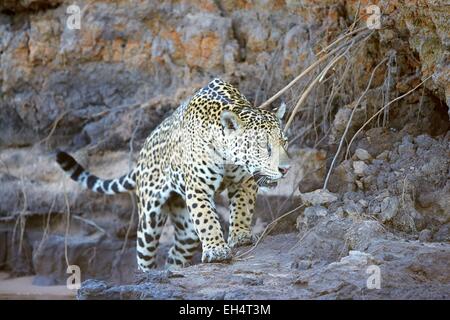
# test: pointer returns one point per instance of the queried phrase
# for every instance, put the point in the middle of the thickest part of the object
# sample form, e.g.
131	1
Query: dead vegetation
312	117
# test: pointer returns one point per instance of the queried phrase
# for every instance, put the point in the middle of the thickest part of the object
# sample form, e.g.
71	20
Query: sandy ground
22	288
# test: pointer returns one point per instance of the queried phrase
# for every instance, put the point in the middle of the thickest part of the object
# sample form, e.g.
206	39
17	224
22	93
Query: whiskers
264	181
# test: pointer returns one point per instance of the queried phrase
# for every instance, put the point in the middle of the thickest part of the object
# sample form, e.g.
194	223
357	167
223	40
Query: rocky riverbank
99	91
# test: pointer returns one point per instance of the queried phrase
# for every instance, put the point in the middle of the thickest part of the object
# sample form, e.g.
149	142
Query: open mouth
265	181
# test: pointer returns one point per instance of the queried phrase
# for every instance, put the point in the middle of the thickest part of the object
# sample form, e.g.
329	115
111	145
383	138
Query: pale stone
362	154
318	197
359	167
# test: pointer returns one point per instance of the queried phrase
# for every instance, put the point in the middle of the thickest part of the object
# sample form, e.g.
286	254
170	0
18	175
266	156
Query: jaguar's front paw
242	238
216	254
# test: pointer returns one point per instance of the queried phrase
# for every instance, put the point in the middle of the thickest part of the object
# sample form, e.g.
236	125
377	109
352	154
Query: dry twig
381	110
349	122
267	230
317	79
300	76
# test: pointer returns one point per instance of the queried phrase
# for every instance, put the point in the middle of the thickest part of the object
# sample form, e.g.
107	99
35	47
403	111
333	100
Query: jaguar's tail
79	174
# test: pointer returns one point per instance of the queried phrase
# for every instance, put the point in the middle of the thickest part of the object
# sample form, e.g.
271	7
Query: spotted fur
214	141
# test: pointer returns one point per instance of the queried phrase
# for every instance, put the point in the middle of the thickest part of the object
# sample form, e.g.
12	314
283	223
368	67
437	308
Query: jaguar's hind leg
152	217
186	241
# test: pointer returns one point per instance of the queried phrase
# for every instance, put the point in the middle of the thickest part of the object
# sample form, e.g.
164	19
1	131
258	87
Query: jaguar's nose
283	170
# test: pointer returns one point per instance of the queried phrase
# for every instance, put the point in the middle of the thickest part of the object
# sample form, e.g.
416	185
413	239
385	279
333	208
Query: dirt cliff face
99	90
126	54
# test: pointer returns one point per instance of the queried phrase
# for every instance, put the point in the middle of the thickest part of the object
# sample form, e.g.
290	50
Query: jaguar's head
250	137
255	141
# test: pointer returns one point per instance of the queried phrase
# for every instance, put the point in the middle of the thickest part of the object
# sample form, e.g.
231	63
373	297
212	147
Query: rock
130	54
383	155
443	234
353	209
310	217
315	211
360	184
341	120
425	235
428	36
318	197
94	257
389	208
312	168
324	241
342	179
359	167
363	203
16	253
356	258
3	247
301	265
423	141
362	154
406	148
361	234
403	269
407	270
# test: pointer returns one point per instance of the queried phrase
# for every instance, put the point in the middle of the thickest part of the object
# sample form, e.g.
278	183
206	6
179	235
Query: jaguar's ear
281	111
230	121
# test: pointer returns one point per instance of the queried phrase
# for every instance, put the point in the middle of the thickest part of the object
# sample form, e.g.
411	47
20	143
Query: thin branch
340	39
266	230
54	125
89	222
46	229
300	76
311	86
349	122
381	110
130	224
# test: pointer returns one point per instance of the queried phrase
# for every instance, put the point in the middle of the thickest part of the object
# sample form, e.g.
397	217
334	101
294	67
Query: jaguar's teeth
265	181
